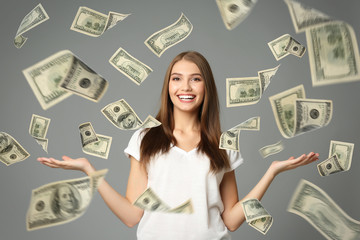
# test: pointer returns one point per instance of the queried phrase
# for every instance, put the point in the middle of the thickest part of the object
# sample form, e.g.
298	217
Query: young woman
181	159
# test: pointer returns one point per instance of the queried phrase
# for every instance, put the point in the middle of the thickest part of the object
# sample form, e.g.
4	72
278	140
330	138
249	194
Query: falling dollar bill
94	23
304	17
285	45
340	157
266	76
58	76
87	134
122	116
242	91
295	115
169	36
38	129
343	151
233	12
10	150
135	70
101	148
230	138
256	215
149	201
329	166
35	17
248	90
315	206
271	149
61	202
333	54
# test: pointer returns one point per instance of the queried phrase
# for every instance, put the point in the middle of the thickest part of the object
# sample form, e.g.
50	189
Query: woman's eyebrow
192	74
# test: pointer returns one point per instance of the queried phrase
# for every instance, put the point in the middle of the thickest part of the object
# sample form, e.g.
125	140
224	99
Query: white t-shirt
175	177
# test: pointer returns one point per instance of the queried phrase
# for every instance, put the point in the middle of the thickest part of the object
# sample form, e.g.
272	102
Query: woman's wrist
89	169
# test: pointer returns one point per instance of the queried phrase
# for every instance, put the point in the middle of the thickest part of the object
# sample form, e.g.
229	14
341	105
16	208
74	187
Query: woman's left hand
280	166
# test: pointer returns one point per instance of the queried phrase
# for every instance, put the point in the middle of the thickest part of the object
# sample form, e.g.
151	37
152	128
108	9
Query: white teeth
186	97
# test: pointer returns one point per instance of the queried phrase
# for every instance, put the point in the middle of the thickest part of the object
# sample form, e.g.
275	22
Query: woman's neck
186	121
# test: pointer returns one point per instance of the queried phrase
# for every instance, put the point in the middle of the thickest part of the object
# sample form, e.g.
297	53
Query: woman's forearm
235	216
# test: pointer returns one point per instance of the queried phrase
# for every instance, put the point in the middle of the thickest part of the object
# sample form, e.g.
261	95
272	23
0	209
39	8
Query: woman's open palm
80	164
281	166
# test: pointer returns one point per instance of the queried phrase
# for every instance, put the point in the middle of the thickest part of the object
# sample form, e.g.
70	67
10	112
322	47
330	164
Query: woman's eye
175	79
197	79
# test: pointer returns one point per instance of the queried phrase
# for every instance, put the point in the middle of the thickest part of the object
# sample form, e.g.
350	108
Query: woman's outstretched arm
121	206
233	214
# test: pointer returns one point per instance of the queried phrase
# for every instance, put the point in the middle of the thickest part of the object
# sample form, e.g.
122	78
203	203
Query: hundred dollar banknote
55	78
344	152
230	138
38	129
256	215
149	201
271	149
340	158
167	37
35	17
87	134
329	166
94	23
285	45
233	12
122	116
316	207
248	90
296	115
131	67
61	202
283	107
10	150
242	91
101	148
333	54
304	17
266	76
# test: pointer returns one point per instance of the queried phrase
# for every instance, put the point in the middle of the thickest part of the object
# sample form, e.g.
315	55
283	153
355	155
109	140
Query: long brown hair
158	139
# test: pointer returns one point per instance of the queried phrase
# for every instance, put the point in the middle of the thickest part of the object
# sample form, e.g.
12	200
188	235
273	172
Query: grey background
237	53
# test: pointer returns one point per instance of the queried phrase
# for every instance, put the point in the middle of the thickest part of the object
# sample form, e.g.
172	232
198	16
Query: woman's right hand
80	164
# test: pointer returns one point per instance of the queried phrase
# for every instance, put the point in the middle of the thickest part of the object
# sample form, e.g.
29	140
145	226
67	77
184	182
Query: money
250	124
295	48
169	36
55	78
242	91
230	138
94	23
296	115
87	134
271	149
233	12
122	116
266	76
101	148
35	17
311	114
61	202
149	201
315	206
329	166
135	70
343	151
333	54
10	150
304	17
38	129
285	45
256	215
283	107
